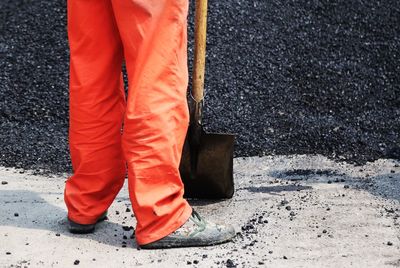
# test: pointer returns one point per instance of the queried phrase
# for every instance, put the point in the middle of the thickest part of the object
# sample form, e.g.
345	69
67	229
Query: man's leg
97	104
153	33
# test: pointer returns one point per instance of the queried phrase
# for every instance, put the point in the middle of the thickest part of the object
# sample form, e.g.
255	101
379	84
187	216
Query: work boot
77	228
195	232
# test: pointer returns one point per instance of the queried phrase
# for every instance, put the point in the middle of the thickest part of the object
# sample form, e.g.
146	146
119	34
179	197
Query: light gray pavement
291	211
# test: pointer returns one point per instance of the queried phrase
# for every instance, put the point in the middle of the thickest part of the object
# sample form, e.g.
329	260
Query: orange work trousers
145	131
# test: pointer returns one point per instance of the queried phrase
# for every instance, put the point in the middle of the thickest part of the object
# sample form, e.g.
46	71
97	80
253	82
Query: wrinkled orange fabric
146	132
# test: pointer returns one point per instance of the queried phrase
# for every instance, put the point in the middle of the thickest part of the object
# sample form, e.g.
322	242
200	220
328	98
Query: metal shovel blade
206	166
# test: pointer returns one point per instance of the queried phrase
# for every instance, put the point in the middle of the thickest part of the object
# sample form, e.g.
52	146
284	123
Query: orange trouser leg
97	105
153	33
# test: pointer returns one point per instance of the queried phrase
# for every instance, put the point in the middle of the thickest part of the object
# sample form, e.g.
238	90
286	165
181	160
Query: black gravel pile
287	76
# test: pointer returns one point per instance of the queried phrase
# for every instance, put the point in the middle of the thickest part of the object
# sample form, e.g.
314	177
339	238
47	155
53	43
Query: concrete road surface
289	211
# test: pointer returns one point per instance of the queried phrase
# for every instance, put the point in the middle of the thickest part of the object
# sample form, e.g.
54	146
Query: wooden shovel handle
199	49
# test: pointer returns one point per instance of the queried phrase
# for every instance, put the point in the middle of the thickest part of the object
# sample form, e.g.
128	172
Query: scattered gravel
230	263
286	76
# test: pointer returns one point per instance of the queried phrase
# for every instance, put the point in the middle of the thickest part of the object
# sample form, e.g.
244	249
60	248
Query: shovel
206	165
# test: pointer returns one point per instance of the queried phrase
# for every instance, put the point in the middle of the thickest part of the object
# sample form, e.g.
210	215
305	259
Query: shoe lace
199	221
196	216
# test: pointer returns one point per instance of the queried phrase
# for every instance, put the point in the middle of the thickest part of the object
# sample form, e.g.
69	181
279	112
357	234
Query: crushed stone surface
286	76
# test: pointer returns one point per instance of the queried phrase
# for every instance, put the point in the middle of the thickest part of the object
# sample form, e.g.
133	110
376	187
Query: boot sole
76	228
189	242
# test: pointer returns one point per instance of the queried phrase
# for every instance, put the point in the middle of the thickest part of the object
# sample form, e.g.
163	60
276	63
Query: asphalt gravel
304	76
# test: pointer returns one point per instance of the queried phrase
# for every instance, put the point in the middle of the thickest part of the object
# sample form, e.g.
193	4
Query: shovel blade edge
214	176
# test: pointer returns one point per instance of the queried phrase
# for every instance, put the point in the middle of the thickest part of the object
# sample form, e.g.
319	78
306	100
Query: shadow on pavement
34	212
382	185
277	189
